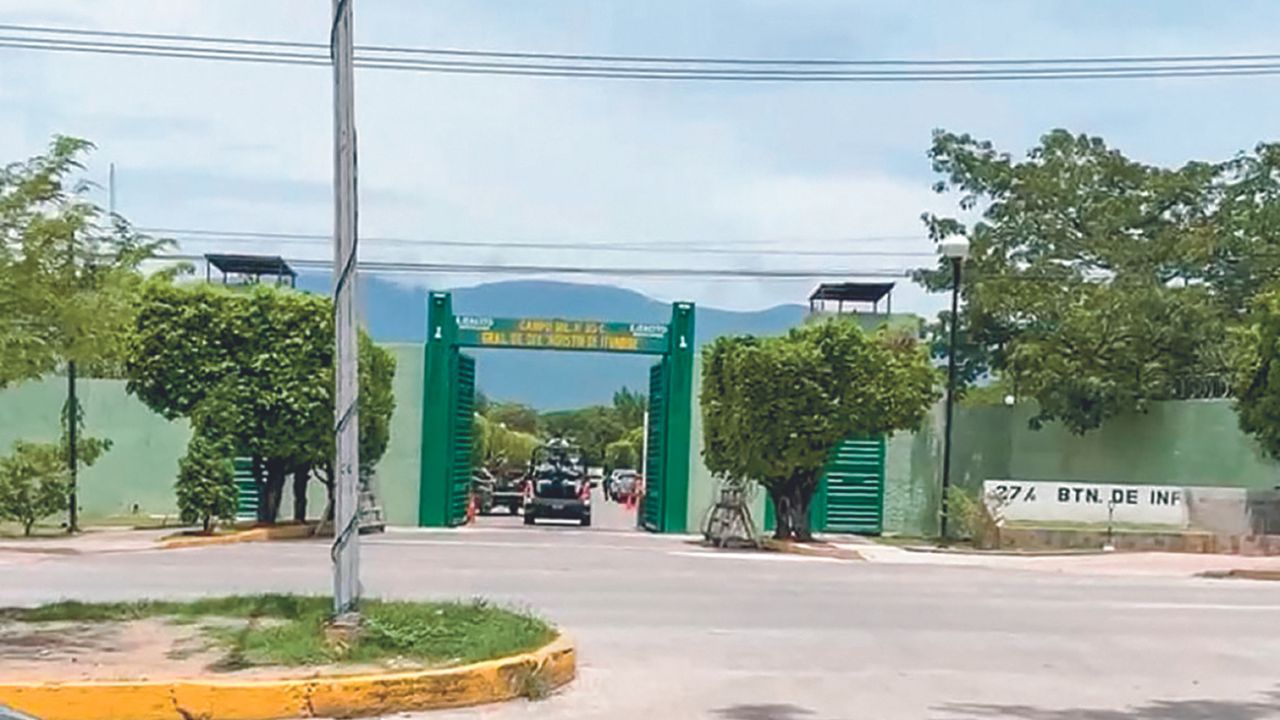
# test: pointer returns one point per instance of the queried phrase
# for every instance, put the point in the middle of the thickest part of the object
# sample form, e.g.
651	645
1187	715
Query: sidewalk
1112	563
89	542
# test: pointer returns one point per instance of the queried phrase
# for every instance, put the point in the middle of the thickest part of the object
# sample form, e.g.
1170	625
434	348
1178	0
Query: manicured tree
774	408
33	483
206	485
267	352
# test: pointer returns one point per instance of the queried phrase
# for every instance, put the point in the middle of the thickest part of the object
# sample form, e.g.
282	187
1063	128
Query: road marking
1192	606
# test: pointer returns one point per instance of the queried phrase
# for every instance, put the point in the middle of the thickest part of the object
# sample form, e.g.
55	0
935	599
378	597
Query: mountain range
548	380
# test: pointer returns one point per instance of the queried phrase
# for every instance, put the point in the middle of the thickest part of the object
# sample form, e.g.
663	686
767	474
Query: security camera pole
346	465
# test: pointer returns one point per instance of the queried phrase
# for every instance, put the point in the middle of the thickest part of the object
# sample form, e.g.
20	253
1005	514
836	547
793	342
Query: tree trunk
791	502
204	522
26	527
276	472
801	499
301	475
260	483
781	514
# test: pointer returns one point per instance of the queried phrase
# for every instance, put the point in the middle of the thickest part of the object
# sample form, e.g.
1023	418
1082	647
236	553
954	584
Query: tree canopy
68	270
258	363
1097	284
1256	368
774	408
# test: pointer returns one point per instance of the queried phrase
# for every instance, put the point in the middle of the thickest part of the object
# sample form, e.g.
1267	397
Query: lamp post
955	249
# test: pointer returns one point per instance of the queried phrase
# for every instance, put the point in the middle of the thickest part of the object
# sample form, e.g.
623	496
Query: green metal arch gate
449	399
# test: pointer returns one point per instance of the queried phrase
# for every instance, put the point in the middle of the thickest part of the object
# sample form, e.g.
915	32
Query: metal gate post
437	390
679	424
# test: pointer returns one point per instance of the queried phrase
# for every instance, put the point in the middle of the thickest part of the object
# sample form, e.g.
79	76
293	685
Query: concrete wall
1187	443
136	476
1192	443
142	464
1183	443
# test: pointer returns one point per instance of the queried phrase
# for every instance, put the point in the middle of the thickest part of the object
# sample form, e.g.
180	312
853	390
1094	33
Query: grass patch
290	629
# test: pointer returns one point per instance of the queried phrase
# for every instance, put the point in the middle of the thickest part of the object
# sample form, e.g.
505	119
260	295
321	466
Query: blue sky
231	146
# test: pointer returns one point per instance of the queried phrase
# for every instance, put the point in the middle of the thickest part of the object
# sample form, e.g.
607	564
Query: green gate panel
246	491
460	435
438	371
651	516
448	407
852	489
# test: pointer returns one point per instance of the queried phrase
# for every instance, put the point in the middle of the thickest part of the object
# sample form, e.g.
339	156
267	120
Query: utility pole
346	542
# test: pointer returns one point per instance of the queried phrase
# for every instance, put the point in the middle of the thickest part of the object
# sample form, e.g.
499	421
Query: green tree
773	408
1256	369
69	276
206	487
620	454
481	434
592	428
509	450
1082	284
33	483
267	353
630	406
514	416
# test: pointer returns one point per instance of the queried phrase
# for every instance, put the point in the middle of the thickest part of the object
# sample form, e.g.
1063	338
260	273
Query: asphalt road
669	630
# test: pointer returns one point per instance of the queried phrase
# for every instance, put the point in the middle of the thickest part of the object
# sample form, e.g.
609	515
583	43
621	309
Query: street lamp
955	249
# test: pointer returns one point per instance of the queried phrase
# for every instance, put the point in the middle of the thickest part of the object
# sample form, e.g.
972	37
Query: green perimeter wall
142	464
1177	443
1183	443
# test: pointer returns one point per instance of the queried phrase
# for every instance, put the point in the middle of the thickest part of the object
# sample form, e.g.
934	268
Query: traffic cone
471	510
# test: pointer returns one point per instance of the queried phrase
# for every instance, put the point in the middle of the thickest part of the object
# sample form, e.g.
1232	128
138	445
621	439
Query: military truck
556	485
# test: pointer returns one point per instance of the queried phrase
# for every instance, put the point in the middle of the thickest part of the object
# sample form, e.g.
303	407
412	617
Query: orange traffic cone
471	510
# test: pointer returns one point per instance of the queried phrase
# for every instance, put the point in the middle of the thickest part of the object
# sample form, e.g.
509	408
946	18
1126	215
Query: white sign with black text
1023	500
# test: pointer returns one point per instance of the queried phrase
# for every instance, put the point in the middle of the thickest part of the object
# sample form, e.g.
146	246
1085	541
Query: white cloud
504	159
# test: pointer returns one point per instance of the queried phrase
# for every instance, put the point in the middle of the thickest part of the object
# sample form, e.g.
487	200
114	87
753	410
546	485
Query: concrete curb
339	696
822	550
1241	574
928	549
258	534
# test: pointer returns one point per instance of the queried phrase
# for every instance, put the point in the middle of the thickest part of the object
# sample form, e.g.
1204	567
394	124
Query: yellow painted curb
338	696
258	534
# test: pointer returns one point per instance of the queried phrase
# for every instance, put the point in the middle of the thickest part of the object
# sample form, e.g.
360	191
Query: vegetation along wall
1176	443
136	476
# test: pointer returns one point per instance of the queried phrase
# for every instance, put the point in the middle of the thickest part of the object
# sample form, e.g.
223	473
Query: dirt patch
148	649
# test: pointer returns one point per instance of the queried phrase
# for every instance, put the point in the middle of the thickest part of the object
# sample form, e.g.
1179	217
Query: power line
273	55
401	267
655	59
427	244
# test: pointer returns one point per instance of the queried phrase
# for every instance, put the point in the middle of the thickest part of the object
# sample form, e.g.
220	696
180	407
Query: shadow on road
775	711
1269	707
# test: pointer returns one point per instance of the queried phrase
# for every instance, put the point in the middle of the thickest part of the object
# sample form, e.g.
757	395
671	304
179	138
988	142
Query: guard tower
249	269
855	297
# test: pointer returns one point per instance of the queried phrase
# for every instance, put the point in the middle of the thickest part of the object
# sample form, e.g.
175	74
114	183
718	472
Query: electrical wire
645	245
243	237
405	267
501	64
657	59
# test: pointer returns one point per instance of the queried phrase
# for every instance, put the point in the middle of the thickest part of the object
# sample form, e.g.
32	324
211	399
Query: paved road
667	630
